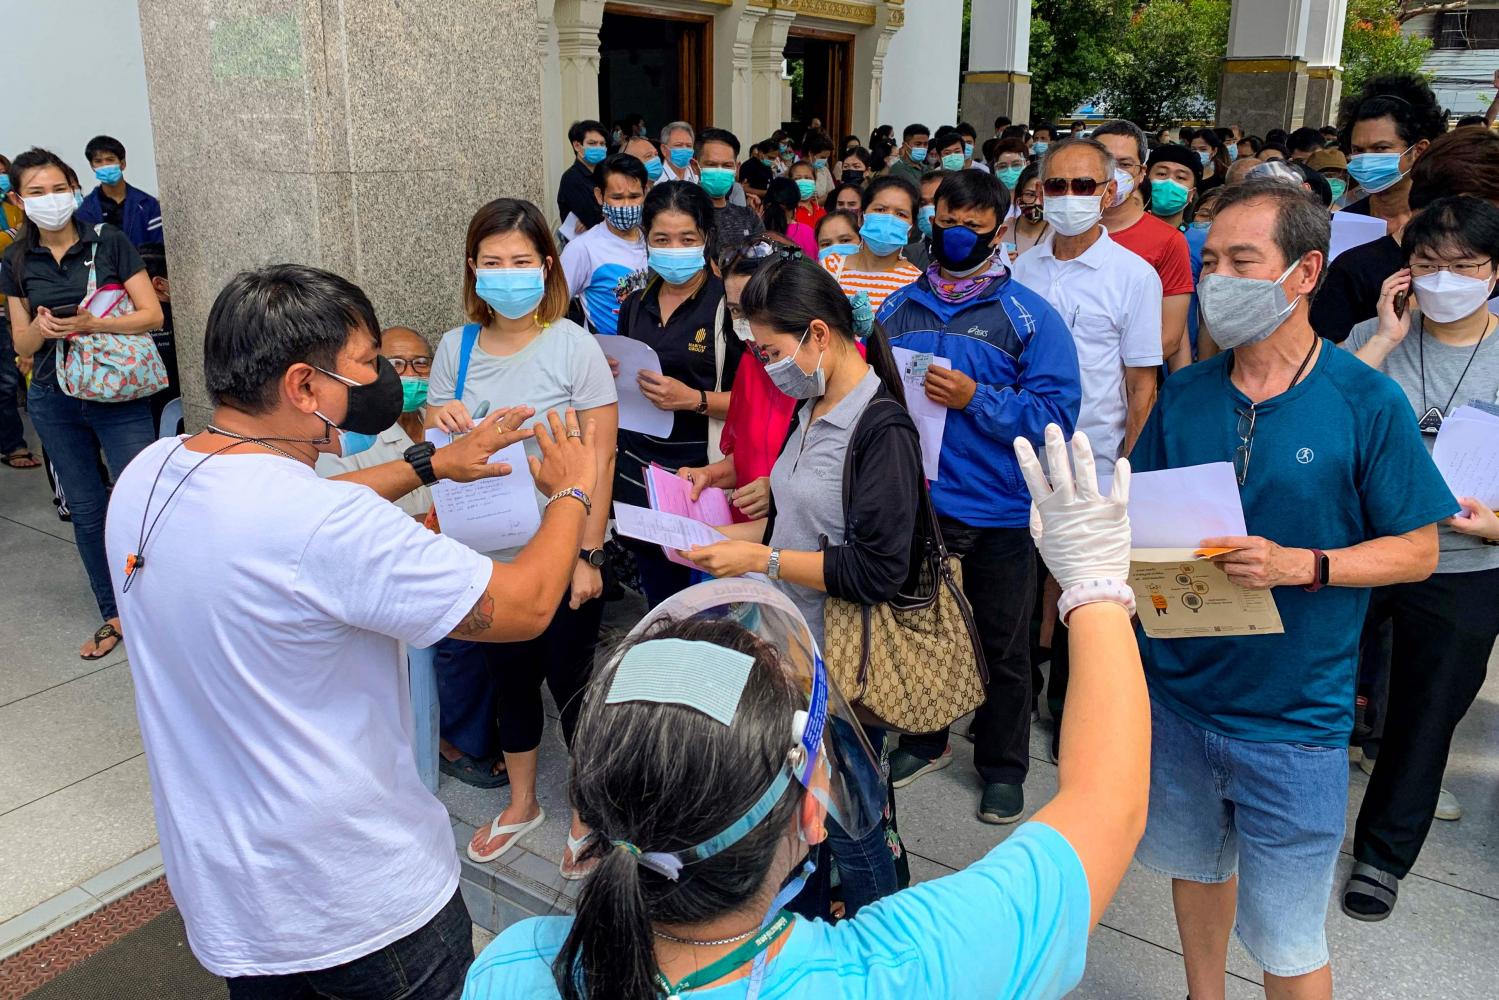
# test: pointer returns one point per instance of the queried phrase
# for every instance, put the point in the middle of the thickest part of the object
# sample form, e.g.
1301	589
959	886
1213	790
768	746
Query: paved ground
75	812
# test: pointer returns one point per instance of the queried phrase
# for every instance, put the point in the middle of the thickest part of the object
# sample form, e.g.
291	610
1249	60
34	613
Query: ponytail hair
788	293
639	770
779	205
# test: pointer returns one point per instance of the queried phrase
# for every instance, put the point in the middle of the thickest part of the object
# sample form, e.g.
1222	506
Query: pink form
672	494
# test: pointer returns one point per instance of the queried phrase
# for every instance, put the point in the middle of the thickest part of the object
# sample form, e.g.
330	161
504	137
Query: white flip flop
511	832
574	847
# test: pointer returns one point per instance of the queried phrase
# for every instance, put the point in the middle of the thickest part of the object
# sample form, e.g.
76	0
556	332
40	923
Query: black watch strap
593	557
419	457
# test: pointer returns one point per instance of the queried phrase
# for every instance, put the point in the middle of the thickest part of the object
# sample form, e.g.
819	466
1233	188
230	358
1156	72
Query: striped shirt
878	284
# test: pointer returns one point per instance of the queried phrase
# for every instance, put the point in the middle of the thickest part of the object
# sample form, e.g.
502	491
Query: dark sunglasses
1056	187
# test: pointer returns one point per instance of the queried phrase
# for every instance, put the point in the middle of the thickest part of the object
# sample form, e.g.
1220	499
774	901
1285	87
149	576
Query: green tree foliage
1073	43
1373	44
1165	66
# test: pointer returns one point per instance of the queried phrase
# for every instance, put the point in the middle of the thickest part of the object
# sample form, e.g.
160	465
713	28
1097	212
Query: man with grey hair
1249	781
678	162
1162	246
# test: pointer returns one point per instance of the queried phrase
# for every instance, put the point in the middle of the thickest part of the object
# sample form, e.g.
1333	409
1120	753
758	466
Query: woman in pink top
779	214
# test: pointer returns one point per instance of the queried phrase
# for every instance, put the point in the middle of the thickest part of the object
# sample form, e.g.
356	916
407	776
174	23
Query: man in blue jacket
1014	371
127	208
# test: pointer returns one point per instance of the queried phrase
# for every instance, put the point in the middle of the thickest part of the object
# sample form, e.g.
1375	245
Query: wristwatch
1322	572
773	567
702	407
419	456
593	557
576	494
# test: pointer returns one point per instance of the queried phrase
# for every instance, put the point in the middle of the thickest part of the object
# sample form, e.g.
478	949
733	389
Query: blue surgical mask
351	443
919	155
109	174
924	219
676	265
622	217
884	234
1205	156
1233	153
839	248
1339	187
1039	148
4	185
952	161
1009	176
594	155
1376	172
512	292
653	168
77	199
681	156
805	188
968	150
820	163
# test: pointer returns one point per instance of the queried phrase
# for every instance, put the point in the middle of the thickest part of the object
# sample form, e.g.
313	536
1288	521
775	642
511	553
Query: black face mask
373	406
959	249
853	177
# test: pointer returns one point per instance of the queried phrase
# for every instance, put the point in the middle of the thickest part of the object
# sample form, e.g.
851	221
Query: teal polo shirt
1337	461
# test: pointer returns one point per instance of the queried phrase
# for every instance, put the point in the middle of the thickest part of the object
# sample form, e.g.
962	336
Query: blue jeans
427	964
12	435
1273	813
73	432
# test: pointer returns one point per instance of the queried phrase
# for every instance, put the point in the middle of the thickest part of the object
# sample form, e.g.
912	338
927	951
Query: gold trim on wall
1324	73
829	10
996	77
1285	65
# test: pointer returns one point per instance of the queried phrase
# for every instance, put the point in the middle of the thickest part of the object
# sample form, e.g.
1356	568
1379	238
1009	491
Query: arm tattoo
479	618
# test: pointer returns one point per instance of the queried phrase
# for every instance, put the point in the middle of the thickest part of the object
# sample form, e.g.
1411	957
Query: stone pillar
734	85
1262	82
556	153
998	81
577	26
1324	56
770	93
871	45
352	136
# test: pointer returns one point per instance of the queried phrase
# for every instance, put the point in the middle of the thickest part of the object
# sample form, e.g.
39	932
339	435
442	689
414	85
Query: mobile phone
65	312
1400	298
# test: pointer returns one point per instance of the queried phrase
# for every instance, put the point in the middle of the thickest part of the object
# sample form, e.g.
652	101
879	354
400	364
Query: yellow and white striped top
879	284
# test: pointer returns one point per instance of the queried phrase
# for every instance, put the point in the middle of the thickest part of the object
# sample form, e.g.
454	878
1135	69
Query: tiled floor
76	824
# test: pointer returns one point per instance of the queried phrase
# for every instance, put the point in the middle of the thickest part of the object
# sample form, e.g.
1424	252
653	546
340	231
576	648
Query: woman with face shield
1435	336
689	890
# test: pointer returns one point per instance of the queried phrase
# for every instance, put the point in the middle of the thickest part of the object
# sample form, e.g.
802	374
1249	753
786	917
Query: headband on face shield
829	756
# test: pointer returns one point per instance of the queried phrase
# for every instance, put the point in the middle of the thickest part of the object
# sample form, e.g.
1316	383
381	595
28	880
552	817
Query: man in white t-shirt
608	262
266	610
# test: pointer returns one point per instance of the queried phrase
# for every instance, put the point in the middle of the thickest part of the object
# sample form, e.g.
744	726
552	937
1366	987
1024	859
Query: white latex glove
1082	535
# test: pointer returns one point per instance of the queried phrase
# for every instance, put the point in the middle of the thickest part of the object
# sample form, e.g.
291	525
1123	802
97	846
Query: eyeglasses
760	249
1056	187
1246	444
1467	270
419	365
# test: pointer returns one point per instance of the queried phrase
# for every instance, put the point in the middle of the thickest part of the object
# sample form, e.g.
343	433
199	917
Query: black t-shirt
754	174
686	347
1350	294
52	284
575	195
112	211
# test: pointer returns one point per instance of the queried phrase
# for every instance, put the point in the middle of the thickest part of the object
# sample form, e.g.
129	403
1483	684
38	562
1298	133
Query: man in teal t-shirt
1340	495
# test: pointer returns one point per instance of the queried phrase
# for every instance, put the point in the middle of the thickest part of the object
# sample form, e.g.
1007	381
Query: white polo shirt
1110	299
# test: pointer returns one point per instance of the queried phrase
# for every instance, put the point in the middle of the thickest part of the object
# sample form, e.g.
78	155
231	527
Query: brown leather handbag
913	663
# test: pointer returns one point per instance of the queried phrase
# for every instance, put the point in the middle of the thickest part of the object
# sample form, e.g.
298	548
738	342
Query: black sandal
103	632
24	455
474	771
1369	894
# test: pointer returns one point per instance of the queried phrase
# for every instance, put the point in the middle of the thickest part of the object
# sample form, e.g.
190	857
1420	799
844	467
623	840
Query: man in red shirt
1129	225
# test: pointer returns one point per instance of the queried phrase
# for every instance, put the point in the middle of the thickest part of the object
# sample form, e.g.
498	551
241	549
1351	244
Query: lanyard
1431	416
715	971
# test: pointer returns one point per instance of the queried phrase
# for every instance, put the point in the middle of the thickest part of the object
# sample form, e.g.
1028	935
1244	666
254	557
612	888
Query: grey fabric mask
1241	311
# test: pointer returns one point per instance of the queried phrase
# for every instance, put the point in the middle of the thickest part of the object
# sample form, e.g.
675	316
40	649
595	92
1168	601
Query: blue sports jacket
1018	349
140	218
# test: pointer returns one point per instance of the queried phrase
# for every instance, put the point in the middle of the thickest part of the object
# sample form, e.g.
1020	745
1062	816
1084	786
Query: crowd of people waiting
1162	301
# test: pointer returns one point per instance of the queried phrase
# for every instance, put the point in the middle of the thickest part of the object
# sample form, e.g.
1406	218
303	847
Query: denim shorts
1273	813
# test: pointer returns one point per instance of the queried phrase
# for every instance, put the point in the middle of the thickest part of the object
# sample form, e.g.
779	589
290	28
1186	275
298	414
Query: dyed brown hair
510	215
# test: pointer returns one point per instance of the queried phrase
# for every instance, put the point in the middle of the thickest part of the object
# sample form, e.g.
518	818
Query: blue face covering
884	234
681	156
952	161
820	163
839	248
1376	172
4	185
352	443
1039	148
1233	153
653	168
968	150
924	219
919	155
676	265
109	174
1204	155
512	292
1009	176
594	155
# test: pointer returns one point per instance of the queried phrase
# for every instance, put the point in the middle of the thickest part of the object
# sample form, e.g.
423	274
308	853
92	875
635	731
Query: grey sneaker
907	767
1002	803
1448	807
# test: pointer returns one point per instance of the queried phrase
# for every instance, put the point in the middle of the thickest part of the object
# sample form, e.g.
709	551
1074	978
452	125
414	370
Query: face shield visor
829	754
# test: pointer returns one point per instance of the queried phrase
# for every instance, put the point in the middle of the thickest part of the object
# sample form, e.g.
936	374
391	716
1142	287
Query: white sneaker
1448	807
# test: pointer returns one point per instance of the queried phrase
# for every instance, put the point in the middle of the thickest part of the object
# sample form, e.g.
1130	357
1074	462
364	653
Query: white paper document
930	417
1349	231
636	413
1176	509
670	531
1467	454
489	514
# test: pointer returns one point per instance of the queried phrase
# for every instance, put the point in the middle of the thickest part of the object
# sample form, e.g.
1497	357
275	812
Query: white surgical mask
742	330
1446	297
50	211
1073	214
1126	184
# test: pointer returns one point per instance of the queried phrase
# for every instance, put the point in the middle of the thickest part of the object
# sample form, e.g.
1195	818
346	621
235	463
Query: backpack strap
465	349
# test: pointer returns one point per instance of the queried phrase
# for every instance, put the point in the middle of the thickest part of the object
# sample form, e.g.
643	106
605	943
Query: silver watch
773	567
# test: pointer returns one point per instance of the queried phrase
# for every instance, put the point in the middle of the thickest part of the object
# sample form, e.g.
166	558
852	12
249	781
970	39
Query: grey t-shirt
807	483
1444	380
564	366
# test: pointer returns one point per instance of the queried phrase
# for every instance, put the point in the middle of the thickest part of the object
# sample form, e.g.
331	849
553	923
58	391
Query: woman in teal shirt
684	778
